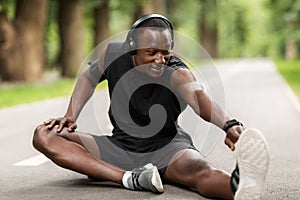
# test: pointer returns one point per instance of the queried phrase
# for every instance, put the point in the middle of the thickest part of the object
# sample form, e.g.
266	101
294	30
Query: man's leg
248	179
189	169
68	151
79	152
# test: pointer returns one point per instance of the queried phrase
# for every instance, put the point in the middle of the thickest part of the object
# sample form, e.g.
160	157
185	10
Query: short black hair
155	23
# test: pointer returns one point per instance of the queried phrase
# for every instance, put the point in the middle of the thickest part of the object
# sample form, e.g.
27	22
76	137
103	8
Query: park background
44	42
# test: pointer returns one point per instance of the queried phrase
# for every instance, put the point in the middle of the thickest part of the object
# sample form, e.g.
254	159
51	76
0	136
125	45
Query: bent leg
188	169
75	151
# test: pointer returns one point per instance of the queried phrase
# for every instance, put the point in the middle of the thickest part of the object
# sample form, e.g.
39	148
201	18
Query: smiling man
149	87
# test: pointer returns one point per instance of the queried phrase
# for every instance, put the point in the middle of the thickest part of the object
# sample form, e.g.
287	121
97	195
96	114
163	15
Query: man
149	87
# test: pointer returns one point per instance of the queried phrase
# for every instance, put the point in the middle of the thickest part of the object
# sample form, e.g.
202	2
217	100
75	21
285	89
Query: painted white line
33	161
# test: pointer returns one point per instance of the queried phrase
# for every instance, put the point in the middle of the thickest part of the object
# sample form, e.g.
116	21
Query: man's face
153	51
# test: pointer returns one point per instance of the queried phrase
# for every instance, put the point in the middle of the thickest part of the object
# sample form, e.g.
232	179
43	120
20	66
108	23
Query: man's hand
61	122
233	135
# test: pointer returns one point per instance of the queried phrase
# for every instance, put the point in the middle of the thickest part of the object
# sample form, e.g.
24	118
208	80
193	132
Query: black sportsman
149	87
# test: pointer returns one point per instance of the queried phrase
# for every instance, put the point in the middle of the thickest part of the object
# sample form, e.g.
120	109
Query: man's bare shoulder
182	76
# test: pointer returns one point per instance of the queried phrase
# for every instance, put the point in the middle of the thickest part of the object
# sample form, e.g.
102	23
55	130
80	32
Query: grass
290	70
12	94
18	93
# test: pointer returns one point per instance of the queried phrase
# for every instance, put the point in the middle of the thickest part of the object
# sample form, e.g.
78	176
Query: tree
286	25
234	28
71	28
22	41
155	6
149	7
208	27
101	24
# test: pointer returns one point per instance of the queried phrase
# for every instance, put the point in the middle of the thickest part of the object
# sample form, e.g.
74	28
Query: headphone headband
150	16
130	41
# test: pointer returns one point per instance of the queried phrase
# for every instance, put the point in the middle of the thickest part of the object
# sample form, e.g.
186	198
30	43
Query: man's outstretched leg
68	151
189	169
247	181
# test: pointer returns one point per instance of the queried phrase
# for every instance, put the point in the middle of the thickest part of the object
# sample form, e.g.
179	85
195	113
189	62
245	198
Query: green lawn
290	70
22	93
19	93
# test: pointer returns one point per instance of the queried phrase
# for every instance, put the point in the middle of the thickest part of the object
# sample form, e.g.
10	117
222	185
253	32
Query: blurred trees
22	41
208	26
234	29
101	24
71	28
286	26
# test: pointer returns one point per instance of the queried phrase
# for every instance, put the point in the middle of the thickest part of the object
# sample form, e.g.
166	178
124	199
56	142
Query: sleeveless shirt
143	110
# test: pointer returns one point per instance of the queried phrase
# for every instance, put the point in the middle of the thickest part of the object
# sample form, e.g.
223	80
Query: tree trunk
290	49
290	43
22	41
208	27
155	6
101	17
71	26
149	7
8	59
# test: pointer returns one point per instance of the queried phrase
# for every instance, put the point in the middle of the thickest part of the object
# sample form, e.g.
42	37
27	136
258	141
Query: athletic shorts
112	153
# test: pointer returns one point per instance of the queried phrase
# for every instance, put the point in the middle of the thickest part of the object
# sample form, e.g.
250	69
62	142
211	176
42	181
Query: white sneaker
253	164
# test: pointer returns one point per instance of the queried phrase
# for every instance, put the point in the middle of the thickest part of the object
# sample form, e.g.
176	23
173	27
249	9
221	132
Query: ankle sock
126	175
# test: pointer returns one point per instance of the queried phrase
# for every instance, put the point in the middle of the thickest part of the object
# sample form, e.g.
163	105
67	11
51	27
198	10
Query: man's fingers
72	127
230	144
61	125
47	122
51	123
240	129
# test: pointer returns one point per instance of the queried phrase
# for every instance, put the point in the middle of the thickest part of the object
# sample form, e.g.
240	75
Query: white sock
126	175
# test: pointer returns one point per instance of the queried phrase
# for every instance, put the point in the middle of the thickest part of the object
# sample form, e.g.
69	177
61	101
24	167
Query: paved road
255	94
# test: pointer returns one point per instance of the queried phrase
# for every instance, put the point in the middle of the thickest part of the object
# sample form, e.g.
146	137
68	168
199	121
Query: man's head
150	41
152	21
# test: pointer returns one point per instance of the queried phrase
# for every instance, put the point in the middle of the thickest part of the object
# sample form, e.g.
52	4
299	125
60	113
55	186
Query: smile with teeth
156	68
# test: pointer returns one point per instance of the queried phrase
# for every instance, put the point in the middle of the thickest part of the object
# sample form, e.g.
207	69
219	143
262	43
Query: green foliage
285	22
245	28
52	36
8	7
232	28
242	28
185	17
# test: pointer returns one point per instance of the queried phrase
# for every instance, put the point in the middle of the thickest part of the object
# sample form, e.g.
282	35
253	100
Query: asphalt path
253	92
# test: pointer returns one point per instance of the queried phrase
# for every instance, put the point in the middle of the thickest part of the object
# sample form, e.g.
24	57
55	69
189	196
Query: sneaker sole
156	180
253	162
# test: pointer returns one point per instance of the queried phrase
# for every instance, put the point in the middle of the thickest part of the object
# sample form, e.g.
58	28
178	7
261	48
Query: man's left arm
184	83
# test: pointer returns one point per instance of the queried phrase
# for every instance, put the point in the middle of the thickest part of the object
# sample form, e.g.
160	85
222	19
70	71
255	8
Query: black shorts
128	160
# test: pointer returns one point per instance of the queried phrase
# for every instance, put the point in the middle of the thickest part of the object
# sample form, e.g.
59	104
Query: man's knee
40	137
192	167
200	169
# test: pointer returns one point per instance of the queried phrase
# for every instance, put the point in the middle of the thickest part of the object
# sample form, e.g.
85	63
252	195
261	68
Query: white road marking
33	161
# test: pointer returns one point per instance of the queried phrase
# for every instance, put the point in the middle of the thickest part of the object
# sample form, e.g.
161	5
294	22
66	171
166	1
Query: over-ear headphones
130	39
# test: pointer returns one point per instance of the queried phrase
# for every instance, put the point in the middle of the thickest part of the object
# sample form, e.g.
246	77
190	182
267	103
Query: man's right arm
84	89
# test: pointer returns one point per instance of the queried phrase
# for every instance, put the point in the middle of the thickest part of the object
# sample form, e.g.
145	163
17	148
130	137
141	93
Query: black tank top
143	110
